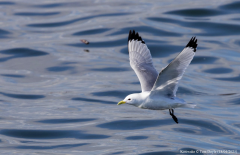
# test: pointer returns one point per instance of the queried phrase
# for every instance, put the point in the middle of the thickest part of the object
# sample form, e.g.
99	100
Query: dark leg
173	116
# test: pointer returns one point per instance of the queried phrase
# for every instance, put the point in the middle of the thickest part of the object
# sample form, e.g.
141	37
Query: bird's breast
157	104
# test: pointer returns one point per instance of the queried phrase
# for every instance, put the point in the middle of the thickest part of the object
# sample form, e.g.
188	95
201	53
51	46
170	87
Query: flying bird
158	89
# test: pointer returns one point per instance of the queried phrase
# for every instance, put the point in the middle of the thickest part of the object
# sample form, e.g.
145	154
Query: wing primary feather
193	43
134	36
141	61
169	77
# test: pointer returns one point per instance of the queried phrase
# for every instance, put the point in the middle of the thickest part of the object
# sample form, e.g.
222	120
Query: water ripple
64	4
196	12
42	147
60	68
91	32
115	93
36	13
50	134
66	120
219	70
114	43
4	33
204	60
64	23
207	28
7	3
23	96
134	124
230	79
111	69
13	75
232	7
205	128
93	100
20	52
147	29
136	137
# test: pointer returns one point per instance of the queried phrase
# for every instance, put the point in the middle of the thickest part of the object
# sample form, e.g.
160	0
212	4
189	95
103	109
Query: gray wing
167	81
141	61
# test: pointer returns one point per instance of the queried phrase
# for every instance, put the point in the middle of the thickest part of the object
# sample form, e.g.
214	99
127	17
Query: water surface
59	95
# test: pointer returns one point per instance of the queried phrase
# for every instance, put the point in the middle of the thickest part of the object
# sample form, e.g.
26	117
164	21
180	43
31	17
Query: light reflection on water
59	95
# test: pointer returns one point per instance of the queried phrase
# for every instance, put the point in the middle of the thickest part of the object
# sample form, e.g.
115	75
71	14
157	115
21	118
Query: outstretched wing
141	61
168	78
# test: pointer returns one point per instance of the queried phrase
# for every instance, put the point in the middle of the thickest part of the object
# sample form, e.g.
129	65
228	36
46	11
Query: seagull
158	89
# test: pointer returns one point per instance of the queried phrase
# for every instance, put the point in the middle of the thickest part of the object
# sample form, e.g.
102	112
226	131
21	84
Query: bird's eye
129	99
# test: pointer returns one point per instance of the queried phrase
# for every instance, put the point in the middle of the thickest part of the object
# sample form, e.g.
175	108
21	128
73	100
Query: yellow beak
121	102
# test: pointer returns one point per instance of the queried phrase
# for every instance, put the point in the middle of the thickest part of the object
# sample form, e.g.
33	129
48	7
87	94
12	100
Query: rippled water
59	95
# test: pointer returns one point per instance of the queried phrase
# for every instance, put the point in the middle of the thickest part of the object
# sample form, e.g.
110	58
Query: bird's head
132	99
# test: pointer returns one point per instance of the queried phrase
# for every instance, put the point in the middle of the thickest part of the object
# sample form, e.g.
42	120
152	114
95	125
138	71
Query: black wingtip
134	36
193	43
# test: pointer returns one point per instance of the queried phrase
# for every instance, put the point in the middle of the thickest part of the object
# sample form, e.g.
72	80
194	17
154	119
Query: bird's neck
142	97
145	94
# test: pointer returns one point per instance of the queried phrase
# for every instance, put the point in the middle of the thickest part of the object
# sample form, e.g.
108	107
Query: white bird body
158	90
161	103
145	101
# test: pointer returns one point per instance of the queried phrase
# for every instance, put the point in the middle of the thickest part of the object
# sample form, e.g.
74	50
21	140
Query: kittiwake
158	90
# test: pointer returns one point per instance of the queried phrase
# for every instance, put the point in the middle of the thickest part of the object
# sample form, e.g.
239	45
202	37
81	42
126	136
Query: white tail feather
189	105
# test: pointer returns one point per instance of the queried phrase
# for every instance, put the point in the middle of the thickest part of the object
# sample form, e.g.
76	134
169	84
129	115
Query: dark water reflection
59	95
207	28
61	121
20	52
36	14
13	76
49	134
232	79
232	7
22	96
218	70
64	146
6	3
196	12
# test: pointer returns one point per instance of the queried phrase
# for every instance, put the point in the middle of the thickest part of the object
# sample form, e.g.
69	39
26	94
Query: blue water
59	95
